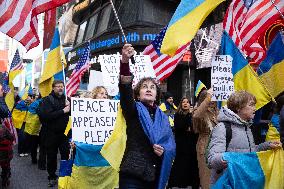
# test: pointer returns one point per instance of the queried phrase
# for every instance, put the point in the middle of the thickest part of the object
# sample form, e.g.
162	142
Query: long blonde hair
96	91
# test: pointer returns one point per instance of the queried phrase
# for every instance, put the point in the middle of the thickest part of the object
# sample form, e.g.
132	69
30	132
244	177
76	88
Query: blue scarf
159	132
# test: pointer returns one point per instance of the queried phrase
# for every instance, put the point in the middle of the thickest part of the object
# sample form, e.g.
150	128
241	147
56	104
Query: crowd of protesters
192	134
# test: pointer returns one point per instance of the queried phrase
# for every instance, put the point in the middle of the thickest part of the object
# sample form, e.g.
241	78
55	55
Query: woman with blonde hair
204	120
99	92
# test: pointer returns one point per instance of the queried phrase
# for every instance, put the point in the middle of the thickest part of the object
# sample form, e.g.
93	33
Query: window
80	35
91	26
104	18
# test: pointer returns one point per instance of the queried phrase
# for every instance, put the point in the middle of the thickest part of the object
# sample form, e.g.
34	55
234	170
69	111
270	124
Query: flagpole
273	2
120	27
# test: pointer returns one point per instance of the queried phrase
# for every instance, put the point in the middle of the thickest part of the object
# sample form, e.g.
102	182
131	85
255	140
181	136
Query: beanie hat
167	95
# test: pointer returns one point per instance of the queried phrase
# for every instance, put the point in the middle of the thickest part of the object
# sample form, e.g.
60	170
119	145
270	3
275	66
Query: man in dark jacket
54	117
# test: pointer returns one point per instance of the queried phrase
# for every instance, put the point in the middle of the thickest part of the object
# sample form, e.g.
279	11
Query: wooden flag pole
120	27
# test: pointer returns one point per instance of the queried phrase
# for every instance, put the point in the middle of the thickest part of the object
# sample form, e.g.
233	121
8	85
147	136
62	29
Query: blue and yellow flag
185	22
53	66
273	133
33	124
271	68
19	114
257	170
25	92
199	87
244	76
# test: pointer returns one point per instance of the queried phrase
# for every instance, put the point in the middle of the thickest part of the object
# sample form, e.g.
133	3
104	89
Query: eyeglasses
59	86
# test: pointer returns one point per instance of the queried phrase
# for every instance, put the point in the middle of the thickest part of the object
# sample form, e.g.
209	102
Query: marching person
204	120
185	167
54	114
6	142
146	155
238	115
168	107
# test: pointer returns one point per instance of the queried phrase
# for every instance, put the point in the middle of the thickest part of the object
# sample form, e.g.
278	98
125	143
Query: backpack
228	140
40	108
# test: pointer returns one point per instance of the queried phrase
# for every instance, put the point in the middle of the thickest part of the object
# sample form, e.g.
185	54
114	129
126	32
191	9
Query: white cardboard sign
92	119
110	65
222	77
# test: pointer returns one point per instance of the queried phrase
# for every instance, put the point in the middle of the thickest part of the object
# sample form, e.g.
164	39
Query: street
26	175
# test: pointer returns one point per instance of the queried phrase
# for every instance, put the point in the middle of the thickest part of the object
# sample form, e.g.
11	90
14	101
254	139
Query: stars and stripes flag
246	20
163	64
17	63
5	83
83	65
18	19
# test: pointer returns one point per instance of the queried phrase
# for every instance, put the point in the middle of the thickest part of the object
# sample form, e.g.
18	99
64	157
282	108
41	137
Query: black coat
185	167
282	126
4	111
54	119
139	159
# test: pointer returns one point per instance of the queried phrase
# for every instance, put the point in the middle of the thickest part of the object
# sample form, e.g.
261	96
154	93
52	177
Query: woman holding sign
150	146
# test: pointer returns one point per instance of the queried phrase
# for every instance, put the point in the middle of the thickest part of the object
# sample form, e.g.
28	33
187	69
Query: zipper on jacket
248	139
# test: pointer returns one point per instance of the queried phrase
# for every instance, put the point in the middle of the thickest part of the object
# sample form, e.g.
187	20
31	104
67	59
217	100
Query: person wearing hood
168	107
238	114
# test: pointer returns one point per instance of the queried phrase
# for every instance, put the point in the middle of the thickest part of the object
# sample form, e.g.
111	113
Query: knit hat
167	95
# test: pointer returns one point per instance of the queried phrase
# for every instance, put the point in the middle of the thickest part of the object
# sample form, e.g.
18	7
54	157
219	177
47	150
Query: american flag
75	78
163	64
8	123
246	20
18	19
16	62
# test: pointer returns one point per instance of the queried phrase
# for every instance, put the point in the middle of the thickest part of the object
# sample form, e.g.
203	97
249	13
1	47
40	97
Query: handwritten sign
110	65
222	78
92	119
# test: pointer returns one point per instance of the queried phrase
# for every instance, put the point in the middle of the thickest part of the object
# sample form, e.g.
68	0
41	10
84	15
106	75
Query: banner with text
92	119
110	68
222	77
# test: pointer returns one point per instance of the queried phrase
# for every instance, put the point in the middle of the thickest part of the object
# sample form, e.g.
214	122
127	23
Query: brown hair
55	82
96	91
139	85
239	100
202	96
179	108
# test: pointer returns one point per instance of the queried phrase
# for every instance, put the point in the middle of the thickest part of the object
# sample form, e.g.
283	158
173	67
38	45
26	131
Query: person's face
58	89
248	112
102	94
185	104
148	92
170	100
1	91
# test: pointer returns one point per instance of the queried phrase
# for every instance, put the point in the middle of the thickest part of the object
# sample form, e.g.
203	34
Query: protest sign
110	69
222	77
95	79
92	119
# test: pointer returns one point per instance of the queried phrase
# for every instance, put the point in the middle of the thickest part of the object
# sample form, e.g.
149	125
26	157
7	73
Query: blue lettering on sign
130	37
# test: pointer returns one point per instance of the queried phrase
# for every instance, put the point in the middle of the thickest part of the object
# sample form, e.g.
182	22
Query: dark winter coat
139	159
185	167
53	115
282	126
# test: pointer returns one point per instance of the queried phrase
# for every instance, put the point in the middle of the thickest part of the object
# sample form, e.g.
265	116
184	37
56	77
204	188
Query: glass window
80	35
104	18
91	26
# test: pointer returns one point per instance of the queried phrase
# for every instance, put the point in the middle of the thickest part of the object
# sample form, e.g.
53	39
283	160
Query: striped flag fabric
163	64
18	19
83	65
17	63
246	20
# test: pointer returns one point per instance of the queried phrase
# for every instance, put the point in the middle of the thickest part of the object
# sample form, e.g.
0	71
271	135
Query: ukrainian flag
257	170
271	70
185	22
25	92
53	66
198	88
273	133
244	76
19	114
33	124
91	170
